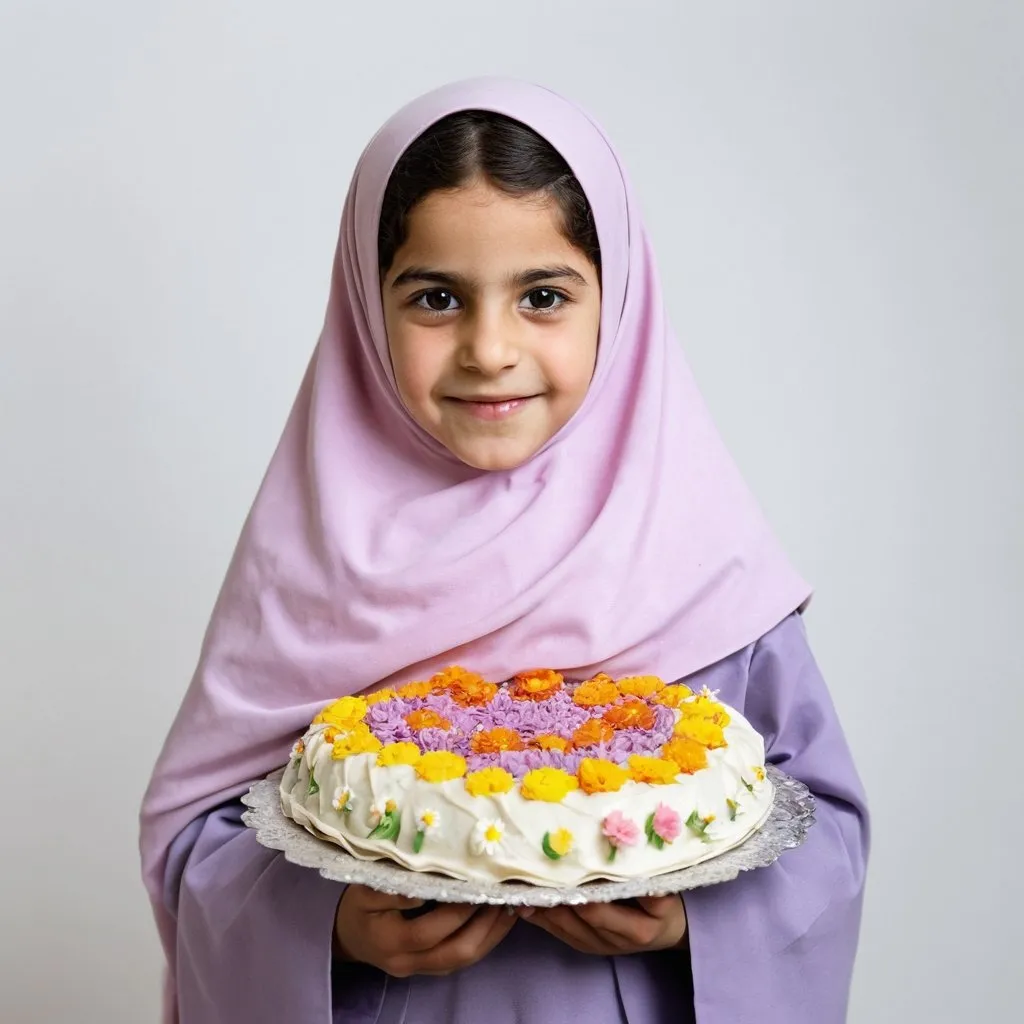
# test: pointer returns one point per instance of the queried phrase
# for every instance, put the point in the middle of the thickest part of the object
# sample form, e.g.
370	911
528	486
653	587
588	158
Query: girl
498	458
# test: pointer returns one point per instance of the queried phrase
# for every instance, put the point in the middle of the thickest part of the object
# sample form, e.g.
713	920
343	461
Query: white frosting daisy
429	821
487	836
343	799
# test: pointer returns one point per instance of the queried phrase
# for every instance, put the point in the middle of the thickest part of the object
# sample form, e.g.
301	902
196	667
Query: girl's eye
544	299
437	300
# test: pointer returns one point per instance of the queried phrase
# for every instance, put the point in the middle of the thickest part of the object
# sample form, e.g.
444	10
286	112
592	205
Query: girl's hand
369	928
614	929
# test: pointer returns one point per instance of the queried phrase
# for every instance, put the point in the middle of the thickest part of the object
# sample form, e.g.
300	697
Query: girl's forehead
481	221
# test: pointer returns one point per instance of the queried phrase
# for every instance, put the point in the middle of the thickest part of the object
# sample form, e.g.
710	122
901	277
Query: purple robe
775	946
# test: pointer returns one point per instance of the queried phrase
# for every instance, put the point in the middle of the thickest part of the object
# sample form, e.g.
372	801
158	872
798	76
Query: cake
536	779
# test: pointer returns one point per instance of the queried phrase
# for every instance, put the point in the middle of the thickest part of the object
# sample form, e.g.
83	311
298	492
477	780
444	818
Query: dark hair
510	155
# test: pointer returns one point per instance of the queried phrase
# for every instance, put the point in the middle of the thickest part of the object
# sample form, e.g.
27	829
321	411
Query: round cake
537	779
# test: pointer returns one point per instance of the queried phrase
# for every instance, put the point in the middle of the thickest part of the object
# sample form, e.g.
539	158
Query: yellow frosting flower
489	781
413	690
705	707
549	784
700	730
440	766
379	696
356	741
599	776
673	696
688	755
641	686
654	770
759	773
398	753
343	713
599	690
561	841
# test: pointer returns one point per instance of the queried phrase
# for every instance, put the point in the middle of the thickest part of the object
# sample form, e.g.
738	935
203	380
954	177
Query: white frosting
458	845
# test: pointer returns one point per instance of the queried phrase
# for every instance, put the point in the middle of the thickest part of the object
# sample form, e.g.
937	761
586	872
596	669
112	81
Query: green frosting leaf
652	837
388	827
611	853
314	786
698	826
750	788
417	843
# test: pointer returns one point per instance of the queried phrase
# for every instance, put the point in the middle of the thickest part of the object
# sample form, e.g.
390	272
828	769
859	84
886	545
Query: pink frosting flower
619	830
667	824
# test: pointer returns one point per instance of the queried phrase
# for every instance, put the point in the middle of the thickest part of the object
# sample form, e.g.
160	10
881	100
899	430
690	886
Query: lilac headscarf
629	544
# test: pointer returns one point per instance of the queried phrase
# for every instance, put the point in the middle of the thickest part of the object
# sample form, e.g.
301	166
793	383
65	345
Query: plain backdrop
835	194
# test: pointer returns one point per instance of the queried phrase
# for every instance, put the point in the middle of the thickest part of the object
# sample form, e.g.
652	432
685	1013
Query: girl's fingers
565	924
659	906
430	930
623	926
487	928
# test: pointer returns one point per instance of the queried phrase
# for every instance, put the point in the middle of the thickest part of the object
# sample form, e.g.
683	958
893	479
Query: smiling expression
492	319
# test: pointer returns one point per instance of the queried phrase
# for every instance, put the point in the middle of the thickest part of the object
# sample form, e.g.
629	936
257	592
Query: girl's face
492	319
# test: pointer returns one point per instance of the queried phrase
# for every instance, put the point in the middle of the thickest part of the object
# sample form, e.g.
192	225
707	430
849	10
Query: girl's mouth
493	409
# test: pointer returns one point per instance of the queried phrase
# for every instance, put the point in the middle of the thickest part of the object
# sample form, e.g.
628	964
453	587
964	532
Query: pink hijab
629	544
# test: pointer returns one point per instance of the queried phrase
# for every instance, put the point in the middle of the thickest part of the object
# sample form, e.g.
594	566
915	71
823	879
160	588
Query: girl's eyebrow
521	279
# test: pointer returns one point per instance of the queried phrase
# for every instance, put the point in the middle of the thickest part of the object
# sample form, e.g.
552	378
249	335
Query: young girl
497	458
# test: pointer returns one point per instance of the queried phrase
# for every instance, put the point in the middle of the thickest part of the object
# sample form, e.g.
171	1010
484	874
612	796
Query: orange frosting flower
599	776
427	719
653	770
700	730
591	732
470	694
599	690
539	684
673	696
549	741
641	686
689	755
633	714
412	690
494	741
467	688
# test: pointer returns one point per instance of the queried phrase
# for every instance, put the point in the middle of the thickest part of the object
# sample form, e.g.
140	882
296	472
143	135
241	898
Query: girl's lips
492	410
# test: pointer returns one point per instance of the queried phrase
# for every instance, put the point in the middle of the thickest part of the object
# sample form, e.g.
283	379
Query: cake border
784	827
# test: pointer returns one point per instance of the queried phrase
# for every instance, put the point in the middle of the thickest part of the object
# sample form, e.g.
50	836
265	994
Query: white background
835	193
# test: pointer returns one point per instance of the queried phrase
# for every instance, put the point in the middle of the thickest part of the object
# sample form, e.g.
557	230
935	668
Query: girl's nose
488	345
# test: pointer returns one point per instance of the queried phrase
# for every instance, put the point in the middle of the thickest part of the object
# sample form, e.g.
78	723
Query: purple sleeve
777	945
255	932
